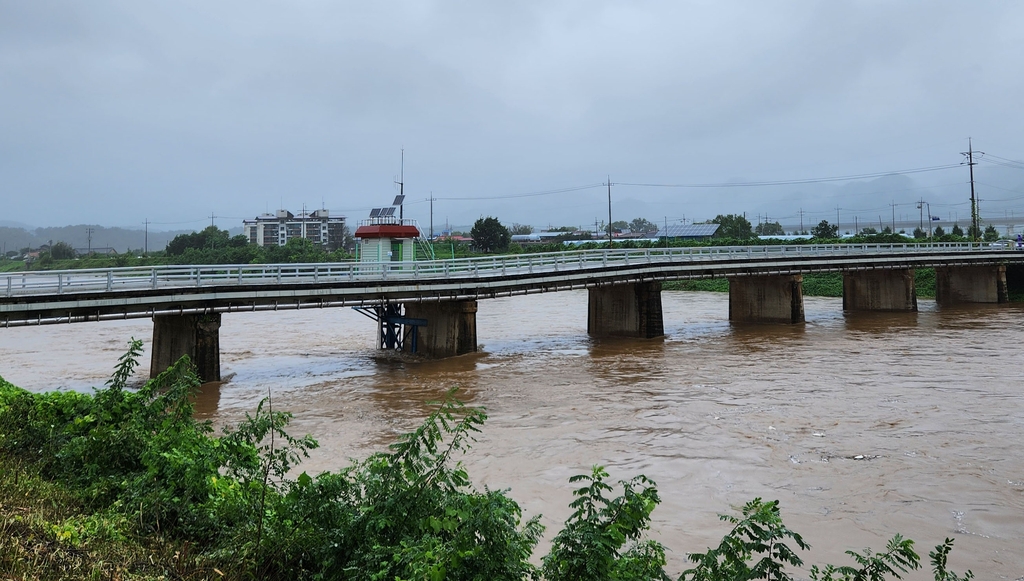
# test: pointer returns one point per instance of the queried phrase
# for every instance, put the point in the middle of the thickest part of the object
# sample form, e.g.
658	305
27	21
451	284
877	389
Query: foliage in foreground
127	484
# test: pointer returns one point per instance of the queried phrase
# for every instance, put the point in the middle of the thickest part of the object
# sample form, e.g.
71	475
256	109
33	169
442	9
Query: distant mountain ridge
120	239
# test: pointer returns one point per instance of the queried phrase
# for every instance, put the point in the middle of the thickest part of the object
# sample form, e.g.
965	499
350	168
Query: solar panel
388	212
398	200
375	212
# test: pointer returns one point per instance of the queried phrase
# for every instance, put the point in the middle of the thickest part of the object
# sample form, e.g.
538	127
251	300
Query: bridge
430	306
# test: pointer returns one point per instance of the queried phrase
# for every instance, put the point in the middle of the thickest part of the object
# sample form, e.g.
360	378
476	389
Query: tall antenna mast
401	187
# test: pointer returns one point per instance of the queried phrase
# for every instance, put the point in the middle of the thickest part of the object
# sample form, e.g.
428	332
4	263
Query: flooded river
862	425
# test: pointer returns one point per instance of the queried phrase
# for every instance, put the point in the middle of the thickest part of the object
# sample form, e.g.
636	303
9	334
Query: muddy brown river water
861	425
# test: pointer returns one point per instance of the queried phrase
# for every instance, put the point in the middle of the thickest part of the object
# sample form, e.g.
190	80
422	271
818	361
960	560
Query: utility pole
212	218
146	251
837	221
801	220
920	207
893	204
856	226
974	202
88	232
432	198
928	204
609	211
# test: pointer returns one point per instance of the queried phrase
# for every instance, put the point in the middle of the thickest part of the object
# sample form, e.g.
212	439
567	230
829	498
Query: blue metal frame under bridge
391	323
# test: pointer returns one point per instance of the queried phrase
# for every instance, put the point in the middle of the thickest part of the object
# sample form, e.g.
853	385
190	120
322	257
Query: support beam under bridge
766	299
626	310
879	290
970	284
197	336
450	328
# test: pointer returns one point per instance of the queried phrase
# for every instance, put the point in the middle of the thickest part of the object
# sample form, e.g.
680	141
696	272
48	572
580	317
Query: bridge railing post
110	280
60	283
9	291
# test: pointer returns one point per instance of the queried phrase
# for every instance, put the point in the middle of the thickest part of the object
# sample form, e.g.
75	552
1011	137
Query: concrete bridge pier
767	299
450	328
626	310
879	290
970	284
197	336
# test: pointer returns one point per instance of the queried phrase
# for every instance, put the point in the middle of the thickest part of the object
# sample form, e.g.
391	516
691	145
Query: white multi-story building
277	229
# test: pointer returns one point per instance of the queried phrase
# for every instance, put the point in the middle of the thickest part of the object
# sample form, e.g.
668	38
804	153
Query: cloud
115	112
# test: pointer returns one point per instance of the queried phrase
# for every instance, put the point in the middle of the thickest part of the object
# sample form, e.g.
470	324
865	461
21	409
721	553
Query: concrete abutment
970	284
879	290
766	299
626	310
450	328
197	336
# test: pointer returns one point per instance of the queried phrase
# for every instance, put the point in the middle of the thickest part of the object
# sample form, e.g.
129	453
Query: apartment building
277	229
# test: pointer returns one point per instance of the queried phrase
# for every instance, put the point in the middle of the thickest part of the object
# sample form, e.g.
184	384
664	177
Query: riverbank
49	533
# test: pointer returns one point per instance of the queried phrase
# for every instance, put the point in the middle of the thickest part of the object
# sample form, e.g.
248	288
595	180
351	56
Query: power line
796	181
1014	161
528	194
1004	162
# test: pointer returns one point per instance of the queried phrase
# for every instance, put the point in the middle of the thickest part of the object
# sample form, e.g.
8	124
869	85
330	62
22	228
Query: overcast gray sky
114	112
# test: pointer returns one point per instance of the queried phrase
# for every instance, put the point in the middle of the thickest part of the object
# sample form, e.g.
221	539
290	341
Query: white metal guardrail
112	280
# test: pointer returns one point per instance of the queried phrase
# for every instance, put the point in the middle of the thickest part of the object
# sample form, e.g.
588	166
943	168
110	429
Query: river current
862	425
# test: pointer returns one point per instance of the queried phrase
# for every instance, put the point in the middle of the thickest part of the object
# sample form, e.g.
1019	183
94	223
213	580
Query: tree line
215	246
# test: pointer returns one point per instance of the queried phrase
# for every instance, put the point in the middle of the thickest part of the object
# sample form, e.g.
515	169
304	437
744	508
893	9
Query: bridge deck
95	294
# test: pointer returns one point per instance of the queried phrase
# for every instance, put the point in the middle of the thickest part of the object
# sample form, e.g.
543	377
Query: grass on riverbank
47	532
